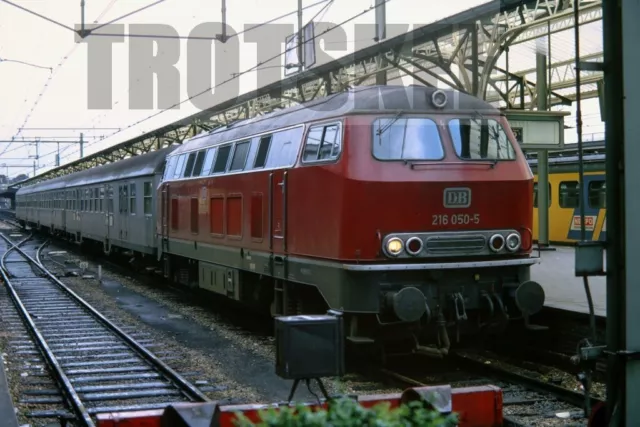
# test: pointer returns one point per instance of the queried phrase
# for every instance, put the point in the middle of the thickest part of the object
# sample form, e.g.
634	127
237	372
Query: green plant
346	412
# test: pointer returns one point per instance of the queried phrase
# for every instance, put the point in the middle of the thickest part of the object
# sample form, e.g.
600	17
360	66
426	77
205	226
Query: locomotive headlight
513	242
496	242
394	246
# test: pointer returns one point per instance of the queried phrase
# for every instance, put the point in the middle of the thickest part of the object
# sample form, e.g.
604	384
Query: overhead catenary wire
246	71
97	119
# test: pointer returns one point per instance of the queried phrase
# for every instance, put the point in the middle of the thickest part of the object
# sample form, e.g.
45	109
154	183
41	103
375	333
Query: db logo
457	198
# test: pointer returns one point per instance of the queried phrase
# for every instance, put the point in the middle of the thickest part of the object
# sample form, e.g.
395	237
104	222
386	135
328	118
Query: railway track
96	366
527	401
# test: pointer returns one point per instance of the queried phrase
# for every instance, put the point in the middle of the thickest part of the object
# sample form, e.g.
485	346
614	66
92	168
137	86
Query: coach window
569	194
240	156
222	159
188	169
597	194
480	139
208	161
101	199
132	199
148	198
322	143
96	203
197	167
406	139
535	194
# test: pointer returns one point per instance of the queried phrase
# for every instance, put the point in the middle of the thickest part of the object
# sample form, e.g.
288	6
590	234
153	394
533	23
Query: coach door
123	220
165	213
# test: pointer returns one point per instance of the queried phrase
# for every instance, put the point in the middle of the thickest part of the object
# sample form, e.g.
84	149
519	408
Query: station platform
563	289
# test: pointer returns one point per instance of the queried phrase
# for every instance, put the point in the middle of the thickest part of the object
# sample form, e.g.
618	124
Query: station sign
537	130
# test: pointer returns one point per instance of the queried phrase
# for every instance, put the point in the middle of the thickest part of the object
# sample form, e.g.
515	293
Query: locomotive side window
197	167
208	161
179	166
222	159
480	139
284	149
188	170
569	194
263	150
322	143
598	194
535	194
240	156
406	139
171	167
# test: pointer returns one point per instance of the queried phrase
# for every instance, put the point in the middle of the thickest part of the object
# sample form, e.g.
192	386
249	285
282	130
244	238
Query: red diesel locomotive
409	209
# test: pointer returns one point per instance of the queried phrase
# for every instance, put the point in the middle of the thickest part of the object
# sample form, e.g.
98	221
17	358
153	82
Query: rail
72	396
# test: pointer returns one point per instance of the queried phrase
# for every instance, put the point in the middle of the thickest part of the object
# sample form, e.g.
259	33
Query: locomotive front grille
452	245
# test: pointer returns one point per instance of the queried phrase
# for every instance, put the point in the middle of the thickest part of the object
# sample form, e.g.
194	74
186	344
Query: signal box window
222	159
323	143
569	194
598	194
240	156
535	195
480	139
406	139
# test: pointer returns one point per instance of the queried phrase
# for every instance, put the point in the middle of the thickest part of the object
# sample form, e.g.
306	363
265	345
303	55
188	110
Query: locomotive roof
142	165
360	100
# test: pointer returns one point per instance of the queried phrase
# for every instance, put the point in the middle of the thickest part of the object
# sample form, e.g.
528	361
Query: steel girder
460	51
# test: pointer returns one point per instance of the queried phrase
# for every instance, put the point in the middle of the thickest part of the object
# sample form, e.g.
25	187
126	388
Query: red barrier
476	407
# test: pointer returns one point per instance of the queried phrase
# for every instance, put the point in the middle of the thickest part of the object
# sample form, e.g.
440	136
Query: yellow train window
535	194
569	194
597	194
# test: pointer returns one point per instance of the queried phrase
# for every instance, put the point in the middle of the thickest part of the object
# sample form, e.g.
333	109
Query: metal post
475	74
300	29
381	34
81	145
224	21
614	132
631	230
58	156
34	168
543	157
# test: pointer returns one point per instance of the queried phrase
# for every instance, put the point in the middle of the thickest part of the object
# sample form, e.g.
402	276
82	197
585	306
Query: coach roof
360	100
136	166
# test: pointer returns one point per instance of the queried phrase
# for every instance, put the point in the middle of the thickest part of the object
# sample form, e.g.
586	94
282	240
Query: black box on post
309	347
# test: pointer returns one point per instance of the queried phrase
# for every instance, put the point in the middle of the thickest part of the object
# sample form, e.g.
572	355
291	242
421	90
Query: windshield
406	139
480	139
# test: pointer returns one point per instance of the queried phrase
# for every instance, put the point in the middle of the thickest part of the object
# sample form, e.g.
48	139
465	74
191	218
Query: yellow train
564	200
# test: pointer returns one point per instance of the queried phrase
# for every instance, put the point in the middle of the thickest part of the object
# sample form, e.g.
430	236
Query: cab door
278	221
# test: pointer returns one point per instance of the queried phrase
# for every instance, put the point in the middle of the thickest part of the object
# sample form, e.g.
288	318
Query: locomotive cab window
597	194
208	161
179	166
480	139
170	168
569	194
406	139
322	143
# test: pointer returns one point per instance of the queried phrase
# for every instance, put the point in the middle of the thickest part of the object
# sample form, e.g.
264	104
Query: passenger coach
409	209
112	205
